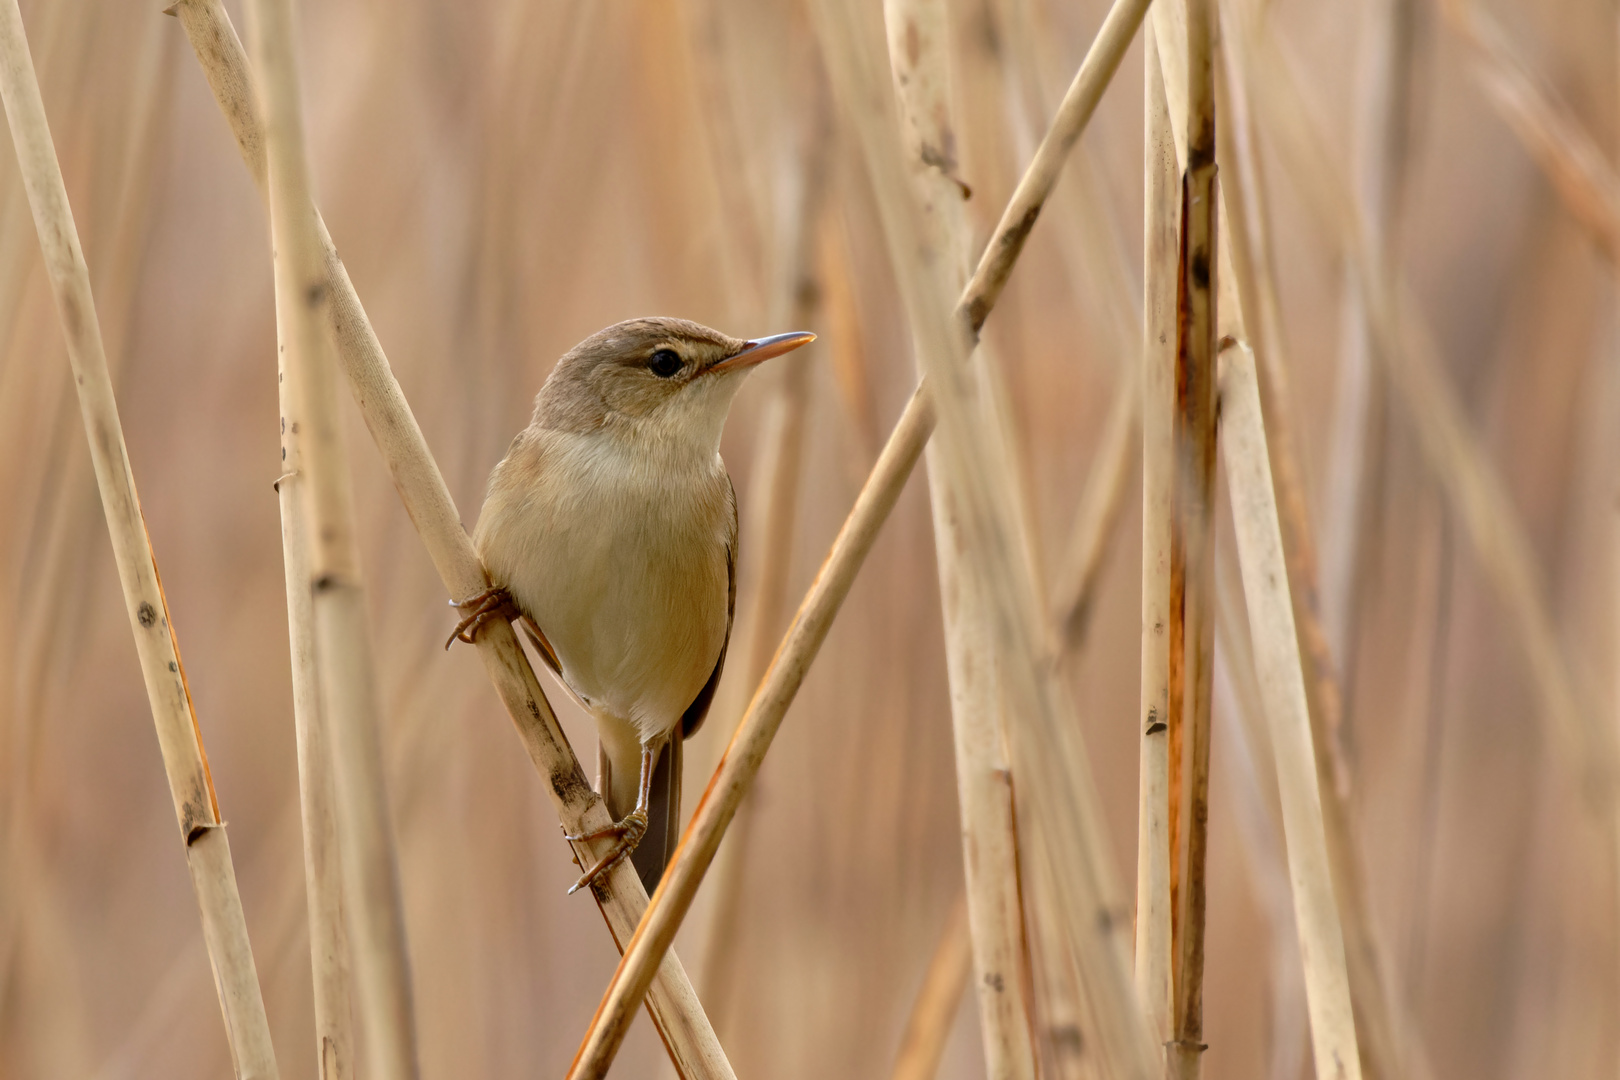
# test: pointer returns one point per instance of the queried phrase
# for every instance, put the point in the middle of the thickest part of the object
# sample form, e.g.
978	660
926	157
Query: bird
609	531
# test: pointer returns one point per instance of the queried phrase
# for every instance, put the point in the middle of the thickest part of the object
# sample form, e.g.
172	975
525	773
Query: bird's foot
627	833
494	602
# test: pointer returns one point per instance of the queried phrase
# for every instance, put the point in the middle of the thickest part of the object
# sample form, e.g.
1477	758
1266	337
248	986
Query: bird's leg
628	830
493	602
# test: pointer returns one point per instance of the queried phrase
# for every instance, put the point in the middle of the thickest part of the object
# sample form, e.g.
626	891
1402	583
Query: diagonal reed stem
673	1004
872	507
208	853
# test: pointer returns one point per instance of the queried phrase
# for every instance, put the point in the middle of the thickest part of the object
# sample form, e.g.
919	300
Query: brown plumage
612	527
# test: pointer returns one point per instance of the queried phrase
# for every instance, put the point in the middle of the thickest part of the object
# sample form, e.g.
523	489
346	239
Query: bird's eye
664	363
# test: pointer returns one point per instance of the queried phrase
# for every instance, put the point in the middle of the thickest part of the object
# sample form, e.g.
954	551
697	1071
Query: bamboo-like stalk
1192	625
917	33
1154	986
345	672
933	1011
208	854
1246	748
872	507
1282	691
328	936
672	1003
323	869
1388	1046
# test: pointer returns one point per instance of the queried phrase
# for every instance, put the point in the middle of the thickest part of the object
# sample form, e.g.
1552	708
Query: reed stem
208	853
328	936
920	65
375	911
1282	691
1154	986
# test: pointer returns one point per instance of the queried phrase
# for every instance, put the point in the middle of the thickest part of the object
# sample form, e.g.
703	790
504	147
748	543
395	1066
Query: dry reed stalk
872	507
1247	747
323	868
918	52
208	855
345	673
328	936
1282	691
933	1011
53	586
1389	1044
1191	601
673	1004
1154	918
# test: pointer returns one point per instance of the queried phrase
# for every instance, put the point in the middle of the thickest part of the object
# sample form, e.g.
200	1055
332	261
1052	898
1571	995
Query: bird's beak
762	349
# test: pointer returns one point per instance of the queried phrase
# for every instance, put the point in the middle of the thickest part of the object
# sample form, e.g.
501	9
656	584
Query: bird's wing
692	719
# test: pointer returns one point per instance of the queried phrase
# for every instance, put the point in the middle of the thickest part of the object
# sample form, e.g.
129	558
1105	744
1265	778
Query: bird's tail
663	815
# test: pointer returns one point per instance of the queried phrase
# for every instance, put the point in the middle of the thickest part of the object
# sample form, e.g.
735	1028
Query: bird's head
661	379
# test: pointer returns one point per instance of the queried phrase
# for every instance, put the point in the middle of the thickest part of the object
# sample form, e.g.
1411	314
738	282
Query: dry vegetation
1403	278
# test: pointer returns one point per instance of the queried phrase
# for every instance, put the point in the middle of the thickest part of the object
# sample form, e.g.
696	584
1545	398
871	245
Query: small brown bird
610	528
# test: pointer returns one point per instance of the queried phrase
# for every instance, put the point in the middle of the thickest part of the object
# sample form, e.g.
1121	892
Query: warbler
610	530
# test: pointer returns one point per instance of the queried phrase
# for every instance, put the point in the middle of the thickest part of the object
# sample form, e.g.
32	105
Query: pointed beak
760	350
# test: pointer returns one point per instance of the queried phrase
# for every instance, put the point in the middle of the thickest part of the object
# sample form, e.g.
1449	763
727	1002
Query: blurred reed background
503	178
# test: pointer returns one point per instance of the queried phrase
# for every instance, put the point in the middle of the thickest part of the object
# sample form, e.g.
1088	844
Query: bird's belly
636	616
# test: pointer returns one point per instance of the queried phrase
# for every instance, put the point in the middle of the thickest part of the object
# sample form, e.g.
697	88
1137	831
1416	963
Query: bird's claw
494	602
627	833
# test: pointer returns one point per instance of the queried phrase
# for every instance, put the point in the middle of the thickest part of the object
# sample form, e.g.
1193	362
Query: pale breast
621	562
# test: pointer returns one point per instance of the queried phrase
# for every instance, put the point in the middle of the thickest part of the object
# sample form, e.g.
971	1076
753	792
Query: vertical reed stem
919	62
1192	544
343	659
323	867
1160	249
208	853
